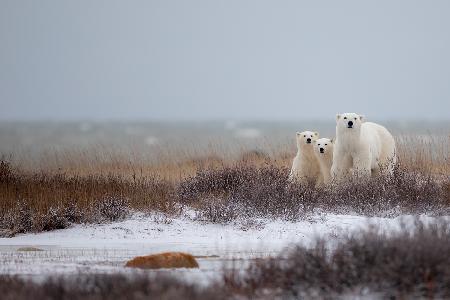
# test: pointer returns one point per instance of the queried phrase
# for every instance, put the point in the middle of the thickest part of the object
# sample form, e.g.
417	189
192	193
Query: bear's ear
338	116
316	133
331	141
298	133
362	118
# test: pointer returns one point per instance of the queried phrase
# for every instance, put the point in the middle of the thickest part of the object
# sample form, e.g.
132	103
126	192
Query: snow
103	248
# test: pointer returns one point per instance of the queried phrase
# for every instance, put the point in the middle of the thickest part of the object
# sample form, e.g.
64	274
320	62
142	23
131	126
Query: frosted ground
104	248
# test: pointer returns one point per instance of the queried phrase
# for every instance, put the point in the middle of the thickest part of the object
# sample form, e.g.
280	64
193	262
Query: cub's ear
331	141
362	118
338	116
315	142
316	133
298	133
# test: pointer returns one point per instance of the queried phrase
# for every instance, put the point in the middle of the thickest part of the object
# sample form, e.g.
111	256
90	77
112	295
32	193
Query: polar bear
323	150
305	167
365	148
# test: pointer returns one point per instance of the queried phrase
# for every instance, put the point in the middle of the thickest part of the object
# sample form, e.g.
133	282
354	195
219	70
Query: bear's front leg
326	178
362	165
340	167
320	181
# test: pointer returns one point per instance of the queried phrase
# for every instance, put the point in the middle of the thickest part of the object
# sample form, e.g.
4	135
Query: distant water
36	138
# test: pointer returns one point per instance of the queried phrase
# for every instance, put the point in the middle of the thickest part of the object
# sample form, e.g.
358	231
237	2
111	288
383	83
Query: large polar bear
323	150
363	148
305	167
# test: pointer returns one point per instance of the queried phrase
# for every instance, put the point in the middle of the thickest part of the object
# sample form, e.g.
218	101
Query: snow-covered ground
106	247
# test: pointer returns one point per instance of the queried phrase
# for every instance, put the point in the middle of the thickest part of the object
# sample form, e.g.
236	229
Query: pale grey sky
205	60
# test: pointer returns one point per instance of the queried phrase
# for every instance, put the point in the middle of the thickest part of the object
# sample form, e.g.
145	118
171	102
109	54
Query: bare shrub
405	263
213	181
390	195
19	219
73	213
93	287
215	210
221	195
257	192
112	208
54	218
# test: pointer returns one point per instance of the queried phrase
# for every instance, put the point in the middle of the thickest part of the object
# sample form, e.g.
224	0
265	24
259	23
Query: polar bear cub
323	150
364	147
305	167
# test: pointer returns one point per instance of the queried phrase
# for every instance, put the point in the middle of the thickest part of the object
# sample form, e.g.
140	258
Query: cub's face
349	121
323	146
306	138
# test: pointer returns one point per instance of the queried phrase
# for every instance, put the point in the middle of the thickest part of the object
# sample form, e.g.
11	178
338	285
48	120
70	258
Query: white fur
364	148
305	167
325	159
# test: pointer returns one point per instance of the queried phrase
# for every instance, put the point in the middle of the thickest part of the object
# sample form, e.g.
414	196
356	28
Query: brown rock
29	249
163	260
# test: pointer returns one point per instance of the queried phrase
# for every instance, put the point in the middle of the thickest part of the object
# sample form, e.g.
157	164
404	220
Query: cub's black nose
308	140
350	123
321	150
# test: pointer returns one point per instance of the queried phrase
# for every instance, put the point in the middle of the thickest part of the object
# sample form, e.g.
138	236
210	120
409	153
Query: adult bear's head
349	122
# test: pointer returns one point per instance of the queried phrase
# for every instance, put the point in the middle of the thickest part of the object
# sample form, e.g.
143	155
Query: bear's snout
308	140
321	150
350	124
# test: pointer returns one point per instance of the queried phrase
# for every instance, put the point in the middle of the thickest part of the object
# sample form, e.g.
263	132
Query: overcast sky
206	60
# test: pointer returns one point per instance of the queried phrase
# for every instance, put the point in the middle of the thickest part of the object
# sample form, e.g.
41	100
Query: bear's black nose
350	123
321	150
308	140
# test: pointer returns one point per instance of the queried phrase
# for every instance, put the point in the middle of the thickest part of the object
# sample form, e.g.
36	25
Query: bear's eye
304	135
326	144
345	118
355	118
318	144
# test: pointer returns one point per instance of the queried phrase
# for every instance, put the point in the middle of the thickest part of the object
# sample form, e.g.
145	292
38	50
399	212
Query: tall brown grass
74	187
426	154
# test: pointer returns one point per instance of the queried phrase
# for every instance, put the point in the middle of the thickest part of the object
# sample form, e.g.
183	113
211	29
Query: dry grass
41	201
425	154
95	187
164	162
